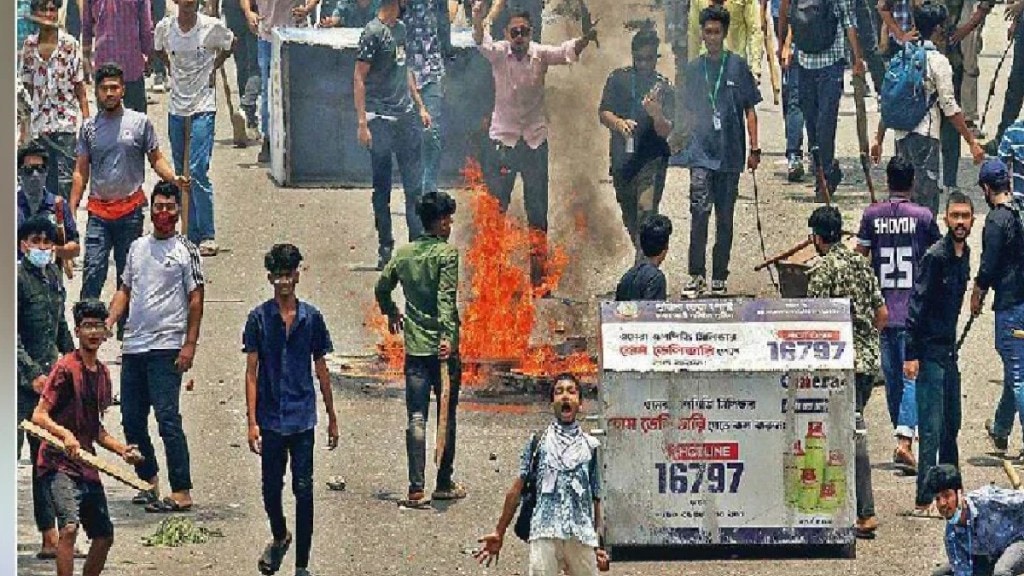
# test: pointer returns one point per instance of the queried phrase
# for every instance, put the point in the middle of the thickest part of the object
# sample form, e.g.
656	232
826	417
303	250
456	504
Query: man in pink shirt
119	31
519	131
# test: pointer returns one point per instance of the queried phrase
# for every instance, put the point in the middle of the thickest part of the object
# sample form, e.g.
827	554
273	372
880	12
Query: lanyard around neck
713	96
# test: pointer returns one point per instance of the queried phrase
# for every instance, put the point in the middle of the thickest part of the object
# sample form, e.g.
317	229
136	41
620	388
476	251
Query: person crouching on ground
645	280
560	465
987	522
71	407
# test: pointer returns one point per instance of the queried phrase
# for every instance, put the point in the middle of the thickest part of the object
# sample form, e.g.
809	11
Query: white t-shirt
192	55
160	275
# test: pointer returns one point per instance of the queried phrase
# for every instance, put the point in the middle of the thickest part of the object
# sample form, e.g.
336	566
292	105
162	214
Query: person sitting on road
987	522
558	469
645	280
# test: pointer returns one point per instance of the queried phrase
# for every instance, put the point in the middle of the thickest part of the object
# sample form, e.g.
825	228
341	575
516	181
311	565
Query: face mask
164	222
957	516
39	257
32	183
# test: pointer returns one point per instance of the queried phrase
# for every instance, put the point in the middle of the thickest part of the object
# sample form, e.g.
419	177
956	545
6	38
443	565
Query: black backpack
814	24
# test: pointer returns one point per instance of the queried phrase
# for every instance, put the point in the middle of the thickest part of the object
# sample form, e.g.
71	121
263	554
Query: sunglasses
519	31
34	169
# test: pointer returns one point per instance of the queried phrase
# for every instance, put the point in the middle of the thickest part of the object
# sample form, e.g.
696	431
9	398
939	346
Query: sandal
145	497
925	513
270	562
166	506
455	492
52	554
415	500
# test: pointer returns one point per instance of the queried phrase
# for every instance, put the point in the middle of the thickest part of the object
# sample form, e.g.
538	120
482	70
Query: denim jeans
276	450
938	410
505	163
899	390
246	54
73	19
791	111
402	138
150	380
862	462
820	93
423	374
263	57
950	138
1015	86
42	502
158	8
711	189
101	237
433	98
200	219
923	153
868	24
61	166
1011	351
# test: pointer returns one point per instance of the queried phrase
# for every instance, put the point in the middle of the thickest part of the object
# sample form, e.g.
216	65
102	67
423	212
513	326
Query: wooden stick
769	48
91	460
186	164
859	94
1012	474
441	439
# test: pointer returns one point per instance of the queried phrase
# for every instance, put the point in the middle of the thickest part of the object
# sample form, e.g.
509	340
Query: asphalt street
361	531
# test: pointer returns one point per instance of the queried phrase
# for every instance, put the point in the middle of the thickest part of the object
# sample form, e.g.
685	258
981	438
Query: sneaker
208	247
999	443
835	178
695	287
384	257
264	155
795	171
251	120
303	572
718	287
160	84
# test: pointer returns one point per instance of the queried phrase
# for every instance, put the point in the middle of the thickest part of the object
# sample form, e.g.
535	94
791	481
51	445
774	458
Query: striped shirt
900	10
1011	150
837	53
160	274
119	31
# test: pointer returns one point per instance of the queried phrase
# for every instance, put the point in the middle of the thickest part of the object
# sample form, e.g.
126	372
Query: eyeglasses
165	207
93	328
519	31
34	168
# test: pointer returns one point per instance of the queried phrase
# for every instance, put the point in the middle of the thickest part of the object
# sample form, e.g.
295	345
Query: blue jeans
899	390
200	209
433	98
1011	350
150	380
274	456
263	57
938	410
101	237
423	374
61	166
1015	86
791	111
820	93
403	138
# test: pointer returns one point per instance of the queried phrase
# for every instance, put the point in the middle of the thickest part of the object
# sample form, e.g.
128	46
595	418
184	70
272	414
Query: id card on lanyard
716	115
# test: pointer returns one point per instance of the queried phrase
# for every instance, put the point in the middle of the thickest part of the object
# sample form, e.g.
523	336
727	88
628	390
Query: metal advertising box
727	422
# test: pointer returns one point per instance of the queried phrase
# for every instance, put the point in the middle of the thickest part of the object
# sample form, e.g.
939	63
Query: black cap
943	477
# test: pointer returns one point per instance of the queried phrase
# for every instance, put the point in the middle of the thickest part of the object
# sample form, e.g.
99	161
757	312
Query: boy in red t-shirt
74	398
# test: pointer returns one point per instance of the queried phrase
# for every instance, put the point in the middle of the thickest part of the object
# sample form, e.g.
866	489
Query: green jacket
428	270
43	333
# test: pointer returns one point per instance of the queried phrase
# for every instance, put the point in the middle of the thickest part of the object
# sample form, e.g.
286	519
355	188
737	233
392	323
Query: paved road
362	531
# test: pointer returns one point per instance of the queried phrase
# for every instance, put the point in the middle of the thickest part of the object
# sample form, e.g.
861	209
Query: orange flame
501	313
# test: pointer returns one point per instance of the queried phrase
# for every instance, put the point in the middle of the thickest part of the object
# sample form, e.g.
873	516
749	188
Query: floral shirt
566	510
52	84
426	26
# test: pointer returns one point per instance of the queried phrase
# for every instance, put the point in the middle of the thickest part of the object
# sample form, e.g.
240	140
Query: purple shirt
123	33
897	233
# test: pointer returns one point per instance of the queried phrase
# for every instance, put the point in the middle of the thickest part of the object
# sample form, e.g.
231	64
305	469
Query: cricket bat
91	460
441	437
1012	474
186	164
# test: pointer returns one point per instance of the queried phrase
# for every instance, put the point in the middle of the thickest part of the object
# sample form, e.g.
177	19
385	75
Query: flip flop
52	554
455	492
417	501
166	506
270	562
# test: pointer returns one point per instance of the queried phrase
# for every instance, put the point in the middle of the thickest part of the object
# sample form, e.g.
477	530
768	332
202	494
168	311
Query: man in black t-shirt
720	97
636	106
645	280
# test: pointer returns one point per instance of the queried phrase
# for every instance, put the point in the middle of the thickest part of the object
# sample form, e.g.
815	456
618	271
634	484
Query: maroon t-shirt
77	396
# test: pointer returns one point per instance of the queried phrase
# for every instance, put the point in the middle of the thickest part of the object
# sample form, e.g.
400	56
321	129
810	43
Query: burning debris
502	311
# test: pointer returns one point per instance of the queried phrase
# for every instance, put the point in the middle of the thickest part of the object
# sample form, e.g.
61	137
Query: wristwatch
755	151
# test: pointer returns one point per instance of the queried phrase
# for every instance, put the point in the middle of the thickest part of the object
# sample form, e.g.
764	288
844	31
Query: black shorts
78	502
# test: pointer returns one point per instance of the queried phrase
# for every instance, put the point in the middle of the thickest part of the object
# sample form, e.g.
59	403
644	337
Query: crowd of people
905	279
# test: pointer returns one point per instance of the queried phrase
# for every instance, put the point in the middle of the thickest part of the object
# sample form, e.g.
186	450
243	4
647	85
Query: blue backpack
905	100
